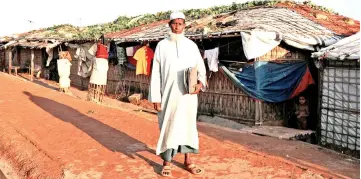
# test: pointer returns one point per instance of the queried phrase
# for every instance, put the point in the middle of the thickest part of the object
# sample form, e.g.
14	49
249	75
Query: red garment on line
102	51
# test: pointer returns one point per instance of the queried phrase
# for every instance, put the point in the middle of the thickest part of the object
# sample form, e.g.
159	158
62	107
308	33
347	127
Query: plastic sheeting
49	50
347	48
64	73
256	43
340	116
99	72
271	82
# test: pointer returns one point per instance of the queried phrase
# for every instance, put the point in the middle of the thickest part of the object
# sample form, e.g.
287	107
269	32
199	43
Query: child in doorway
302	113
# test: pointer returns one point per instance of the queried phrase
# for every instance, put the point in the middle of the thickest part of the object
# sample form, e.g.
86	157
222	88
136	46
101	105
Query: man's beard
175	37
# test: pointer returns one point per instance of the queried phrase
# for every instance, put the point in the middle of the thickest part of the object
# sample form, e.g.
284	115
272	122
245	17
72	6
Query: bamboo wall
222	98
128	85
22	55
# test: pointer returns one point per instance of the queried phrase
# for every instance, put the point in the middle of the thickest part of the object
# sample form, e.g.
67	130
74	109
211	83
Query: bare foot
166	170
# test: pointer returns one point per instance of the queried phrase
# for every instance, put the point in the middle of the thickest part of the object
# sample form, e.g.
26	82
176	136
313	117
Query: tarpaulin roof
347	48
271	82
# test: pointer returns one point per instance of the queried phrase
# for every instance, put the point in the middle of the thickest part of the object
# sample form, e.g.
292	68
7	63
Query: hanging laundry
50	53
102	51
85	54
144	57
212	59
130	51
112	57
131	60
122	58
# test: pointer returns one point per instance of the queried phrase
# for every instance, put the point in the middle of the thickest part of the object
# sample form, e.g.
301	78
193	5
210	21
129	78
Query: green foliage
125	22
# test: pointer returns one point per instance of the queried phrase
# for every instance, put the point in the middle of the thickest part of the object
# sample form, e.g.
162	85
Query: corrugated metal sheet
347	48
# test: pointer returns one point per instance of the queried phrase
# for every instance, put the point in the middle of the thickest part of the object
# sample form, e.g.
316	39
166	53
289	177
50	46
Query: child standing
302	113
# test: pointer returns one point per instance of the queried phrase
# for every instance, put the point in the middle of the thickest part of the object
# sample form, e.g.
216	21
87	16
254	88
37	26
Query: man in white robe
177	110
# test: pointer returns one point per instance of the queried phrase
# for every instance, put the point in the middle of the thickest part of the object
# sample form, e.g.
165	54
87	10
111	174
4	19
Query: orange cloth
65	55
306	80
144	57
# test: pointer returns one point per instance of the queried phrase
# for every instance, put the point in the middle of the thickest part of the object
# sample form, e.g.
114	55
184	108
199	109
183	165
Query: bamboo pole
96	92
10	61
257	115
32	65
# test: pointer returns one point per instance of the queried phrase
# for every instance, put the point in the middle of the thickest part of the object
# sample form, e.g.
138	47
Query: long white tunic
177	120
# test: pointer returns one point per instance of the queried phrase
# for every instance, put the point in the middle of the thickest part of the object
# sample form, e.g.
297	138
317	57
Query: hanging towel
212	58
130	51
131	60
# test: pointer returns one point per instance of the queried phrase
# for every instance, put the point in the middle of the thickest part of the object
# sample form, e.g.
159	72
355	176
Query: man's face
177	26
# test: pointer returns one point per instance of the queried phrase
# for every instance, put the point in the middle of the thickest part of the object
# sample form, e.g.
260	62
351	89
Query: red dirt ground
47	134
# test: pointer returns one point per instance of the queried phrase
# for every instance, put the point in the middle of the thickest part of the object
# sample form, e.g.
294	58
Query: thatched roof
137	27
61	32
292	20
292	27
345	49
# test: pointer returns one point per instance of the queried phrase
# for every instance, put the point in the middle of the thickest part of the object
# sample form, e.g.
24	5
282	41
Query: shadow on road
107	136
39	82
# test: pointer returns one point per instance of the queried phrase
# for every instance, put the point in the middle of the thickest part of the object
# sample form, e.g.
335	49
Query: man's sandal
194	169
166	171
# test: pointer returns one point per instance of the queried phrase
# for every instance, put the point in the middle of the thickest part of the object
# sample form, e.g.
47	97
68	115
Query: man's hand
197	87
157	107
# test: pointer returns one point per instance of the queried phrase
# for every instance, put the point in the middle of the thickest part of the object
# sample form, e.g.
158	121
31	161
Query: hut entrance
225	97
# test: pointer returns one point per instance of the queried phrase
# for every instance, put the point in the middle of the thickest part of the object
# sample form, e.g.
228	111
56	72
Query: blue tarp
269	81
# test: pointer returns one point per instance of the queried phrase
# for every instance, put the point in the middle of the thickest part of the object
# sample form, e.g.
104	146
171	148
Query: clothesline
224	44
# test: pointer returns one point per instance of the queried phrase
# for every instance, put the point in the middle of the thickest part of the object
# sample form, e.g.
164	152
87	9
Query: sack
100	72
63	67
190	79
64	82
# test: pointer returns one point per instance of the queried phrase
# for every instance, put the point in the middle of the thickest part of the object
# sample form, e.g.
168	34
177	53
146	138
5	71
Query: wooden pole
32	65
256	116
260	113
10	61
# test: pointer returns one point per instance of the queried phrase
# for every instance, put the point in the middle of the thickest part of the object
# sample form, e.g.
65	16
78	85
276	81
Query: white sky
15	15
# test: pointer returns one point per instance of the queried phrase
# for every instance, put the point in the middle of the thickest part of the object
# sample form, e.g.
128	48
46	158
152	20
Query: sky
25	15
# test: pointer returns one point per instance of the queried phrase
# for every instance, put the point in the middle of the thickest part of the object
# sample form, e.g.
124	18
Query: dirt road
46	134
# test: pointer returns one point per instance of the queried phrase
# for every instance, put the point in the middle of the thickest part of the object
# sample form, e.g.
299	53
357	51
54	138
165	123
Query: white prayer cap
177	15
